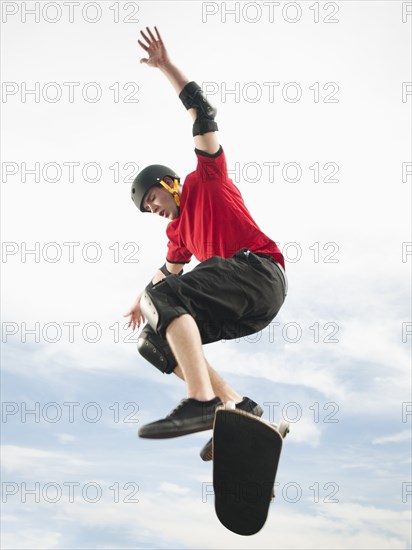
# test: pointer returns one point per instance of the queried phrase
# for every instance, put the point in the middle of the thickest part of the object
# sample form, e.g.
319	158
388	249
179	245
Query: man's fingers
146	48
145	37
150	34
158	35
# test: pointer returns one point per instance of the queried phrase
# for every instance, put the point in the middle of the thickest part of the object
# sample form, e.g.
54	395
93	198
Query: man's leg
203	383
157	351
184	338
221	311
196	413
220	387
226	393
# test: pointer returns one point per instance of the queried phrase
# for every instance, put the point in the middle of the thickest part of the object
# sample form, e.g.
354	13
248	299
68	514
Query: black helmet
147	178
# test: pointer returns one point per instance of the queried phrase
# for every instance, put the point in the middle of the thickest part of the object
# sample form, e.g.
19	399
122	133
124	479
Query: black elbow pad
192	96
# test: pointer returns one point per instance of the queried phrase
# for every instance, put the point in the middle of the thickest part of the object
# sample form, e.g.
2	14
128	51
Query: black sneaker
188	417
247	405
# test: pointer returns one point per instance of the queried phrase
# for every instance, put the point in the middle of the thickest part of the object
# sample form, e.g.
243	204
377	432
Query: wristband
166	272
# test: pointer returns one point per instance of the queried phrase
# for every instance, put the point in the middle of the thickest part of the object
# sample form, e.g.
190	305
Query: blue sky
336	360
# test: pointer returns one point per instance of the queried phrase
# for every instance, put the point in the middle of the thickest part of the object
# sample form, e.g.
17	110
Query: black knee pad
156	350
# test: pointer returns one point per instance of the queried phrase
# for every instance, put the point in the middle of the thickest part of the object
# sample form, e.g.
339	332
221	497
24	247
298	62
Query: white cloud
304	432
65	438
173	488
336	526
32	539
40	463
398	437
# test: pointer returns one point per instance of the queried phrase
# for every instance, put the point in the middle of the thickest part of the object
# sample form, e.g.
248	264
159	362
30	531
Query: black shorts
228	297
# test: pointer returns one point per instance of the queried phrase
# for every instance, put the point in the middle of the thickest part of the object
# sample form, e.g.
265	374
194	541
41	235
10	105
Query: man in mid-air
237	288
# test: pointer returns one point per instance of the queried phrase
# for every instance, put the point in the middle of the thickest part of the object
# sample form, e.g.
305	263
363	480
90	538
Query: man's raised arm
190	93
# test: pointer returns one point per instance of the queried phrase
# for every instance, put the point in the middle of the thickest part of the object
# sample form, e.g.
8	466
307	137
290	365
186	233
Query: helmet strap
173	191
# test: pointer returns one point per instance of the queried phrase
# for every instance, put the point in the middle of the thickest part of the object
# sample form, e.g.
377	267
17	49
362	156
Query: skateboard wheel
283	428
230	405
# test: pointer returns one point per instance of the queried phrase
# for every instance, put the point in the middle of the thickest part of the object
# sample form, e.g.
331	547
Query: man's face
159	201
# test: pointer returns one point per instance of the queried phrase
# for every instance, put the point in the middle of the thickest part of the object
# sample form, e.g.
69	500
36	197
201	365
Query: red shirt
214	220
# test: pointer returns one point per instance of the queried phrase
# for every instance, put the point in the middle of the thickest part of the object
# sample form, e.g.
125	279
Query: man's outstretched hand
135	314
154	48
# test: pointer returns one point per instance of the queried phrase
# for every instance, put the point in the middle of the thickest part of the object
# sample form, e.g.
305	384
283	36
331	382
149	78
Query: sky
314	104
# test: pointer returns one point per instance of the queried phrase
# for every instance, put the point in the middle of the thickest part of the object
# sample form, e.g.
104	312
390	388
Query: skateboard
246	452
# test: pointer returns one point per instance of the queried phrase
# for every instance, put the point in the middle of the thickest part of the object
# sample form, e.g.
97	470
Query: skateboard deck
246	452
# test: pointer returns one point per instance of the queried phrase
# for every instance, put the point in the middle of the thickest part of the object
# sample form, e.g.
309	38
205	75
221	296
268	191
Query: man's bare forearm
175	76
190	93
